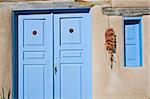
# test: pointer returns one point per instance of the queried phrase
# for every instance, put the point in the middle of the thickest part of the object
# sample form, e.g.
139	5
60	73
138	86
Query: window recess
133	41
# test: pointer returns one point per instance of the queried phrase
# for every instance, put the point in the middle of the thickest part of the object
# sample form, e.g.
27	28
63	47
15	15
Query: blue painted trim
141	48
15	14
123	28
90	55
133	18
137	20
14	56
54	11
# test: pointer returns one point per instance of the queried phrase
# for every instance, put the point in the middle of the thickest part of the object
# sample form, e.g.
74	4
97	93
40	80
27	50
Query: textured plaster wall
5	49
119	83
114	3
130	3
51	0
32	0
146	30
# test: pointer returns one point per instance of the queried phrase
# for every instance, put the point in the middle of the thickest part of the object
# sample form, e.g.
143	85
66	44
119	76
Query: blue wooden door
69	63
35	64
72	56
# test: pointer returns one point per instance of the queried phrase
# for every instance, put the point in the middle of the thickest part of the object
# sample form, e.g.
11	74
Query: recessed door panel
34	55
71	85
34	81
70	31
73	56
34	31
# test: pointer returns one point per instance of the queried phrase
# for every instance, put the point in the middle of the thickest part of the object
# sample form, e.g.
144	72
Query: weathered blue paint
72	56
133	41
79	57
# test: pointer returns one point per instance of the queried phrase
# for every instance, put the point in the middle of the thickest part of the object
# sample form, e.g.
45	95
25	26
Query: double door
54	56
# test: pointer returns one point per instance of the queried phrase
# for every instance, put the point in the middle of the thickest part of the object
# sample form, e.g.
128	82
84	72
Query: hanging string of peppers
110	43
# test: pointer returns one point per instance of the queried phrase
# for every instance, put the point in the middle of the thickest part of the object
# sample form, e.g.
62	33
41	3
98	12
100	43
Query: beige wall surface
130	3
32	0
114	3
5	49
119	83
146	30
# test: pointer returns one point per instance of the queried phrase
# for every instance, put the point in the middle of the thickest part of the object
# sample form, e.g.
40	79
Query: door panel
34	31
34	81
35	57
71	85
72	56
70	31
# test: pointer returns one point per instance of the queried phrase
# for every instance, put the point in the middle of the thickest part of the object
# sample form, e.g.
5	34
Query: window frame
138	18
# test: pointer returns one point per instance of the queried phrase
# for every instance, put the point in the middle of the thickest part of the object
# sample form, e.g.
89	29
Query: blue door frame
15	15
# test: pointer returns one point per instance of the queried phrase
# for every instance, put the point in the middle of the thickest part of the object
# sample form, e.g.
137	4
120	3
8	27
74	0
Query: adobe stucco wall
130	3
45	0
146	30
5	49
119	83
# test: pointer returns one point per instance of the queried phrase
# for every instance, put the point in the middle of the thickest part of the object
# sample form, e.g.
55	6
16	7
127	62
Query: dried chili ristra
110	43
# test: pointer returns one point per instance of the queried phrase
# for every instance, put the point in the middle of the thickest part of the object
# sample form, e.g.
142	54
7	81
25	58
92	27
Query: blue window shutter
133	50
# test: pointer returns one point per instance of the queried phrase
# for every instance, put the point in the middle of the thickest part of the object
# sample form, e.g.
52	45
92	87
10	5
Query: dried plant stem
108	22
3	94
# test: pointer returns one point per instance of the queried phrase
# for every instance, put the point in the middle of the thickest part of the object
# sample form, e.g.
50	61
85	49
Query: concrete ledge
126	11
